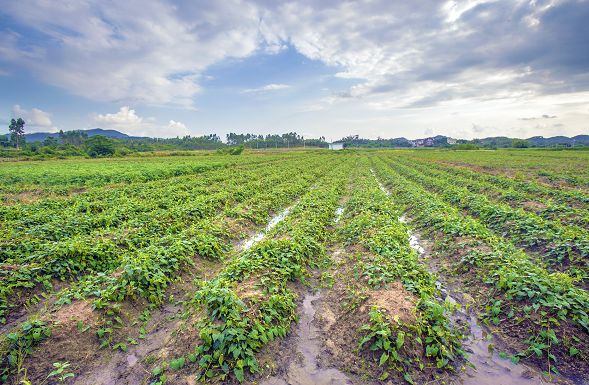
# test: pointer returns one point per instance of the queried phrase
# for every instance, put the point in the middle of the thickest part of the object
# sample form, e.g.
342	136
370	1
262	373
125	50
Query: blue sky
386	68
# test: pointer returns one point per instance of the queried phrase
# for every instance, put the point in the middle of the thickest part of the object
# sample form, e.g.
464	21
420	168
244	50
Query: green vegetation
371	220
107	143
109	258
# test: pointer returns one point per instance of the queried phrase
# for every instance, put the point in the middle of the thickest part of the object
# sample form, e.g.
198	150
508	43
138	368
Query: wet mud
305	370
486	366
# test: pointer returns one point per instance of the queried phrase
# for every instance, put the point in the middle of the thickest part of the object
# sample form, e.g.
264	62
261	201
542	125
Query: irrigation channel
259	236
308	345
487	367
306	370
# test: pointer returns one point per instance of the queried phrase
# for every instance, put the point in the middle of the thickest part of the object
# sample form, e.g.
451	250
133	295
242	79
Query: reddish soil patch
67	342
533	206
26	197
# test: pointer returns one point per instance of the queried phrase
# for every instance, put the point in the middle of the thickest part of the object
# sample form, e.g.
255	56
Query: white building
336	146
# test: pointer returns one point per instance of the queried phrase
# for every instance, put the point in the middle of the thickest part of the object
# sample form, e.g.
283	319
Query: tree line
288	140
78	143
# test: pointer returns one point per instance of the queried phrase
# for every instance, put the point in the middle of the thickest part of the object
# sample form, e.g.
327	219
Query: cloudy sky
320	67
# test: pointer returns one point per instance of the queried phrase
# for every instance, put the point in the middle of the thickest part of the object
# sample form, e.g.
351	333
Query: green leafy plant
60	372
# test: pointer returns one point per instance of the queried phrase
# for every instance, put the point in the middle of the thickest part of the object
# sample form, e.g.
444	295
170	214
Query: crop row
250	302
410	344
560	245
143	235
543	312
53	219
532	167
149	271
573	197
62	177
548	208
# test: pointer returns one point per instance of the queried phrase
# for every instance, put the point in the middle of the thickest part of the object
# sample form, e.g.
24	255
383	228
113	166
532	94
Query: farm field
297	267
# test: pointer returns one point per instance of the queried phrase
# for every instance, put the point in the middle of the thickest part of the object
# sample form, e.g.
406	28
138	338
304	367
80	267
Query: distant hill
541	141
41	136
535	141
444	141
356	141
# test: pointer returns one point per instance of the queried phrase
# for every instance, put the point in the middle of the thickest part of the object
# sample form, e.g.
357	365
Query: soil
28	302
168	334
32	196
24	197
395	300
341	311
484	342
533	206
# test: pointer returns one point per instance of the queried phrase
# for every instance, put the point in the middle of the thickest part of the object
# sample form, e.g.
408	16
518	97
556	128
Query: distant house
336	146
451	140
427	142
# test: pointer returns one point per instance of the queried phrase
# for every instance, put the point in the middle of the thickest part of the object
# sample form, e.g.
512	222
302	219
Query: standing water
489	368
382	188
259	236
338	214
308	346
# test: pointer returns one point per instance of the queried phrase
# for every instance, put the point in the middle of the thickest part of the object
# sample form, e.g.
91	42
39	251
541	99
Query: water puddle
273	222
306	371
338	214
489	368
382	188
413	239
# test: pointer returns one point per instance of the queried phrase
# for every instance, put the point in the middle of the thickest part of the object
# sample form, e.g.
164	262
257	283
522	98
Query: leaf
178	363
400	339
408	378
573	351
157	371
239	374
383	358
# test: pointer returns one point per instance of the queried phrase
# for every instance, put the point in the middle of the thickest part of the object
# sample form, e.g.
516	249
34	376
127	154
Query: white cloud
35	118
126	120
266	88
177	128
131	51
492	57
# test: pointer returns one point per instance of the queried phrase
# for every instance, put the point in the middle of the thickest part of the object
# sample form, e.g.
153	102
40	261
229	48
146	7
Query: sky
374	68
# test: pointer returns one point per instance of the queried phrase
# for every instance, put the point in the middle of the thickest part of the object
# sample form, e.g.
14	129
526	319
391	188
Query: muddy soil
303	367
486	365
344	308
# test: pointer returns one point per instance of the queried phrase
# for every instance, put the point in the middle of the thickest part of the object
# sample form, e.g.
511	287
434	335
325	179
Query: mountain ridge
41	136
432	141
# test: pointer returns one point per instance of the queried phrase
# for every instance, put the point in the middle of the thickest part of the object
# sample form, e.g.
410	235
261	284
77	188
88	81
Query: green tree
4	141
99	146
519	143
75	137
17	131
50	141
